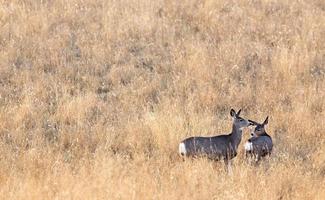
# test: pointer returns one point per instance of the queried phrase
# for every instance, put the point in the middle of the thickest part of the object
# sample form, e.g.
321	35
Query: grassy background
96	95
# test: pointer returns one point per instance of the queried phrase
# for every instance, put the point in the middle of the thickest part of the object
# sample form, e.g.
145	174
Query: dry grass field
95	96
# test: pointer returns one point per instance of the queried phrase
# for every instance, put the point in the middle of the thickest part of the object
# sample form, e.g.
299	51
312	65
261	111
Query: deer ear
266	121
251	122
238	112
232	113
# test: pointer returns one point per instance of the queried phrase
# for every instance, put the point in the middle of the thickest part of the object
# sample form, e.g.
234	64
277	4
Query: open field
95	96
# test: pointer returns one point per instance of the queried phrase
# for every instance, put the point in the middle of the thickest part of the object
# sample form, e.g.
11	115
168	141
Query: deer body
260	144
217	147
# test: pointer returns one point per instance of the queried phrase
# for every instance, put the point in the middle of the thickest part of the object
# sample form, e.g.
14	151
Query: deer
220	147
260	144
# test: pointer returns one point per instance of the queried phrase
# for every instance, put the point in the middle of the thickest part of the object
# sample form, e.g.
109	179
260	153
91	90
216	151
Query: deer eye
241	120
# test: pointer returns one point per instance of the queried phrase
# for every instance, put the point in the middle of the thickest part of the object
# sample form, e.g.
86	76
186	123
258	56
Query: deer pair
225	146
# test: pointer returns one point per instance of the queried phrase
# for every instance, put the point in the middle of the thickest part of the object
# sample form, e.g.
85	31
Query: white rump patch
248	146
182	149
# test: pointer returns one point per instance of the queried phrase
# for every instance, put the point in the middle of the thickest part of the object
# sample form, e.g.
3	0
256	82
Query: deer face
259	128
239	122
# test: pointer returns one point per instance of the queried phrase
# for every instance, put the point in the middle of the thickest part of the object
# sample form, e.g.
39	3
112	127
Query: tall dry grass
96	95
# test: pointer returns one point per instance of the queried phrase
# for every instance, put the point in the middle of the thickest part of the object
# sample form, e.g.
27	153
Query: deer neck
265	134
236	135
